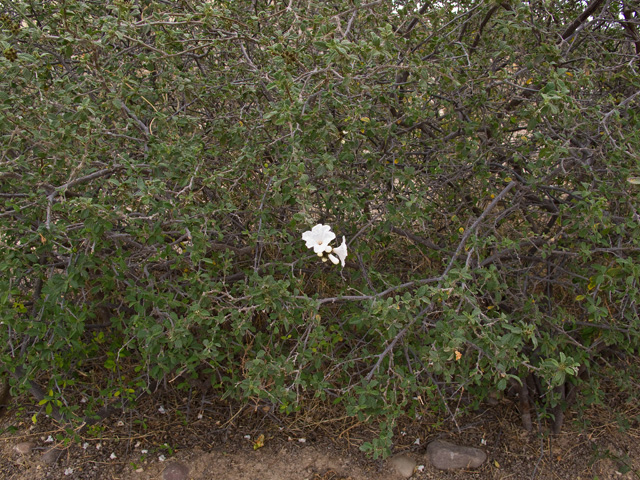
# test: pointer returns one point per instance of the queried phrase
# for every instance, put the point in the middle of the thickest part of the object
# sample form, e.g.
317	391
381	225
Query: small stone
175	471
23	448
403	464
51	456
447	456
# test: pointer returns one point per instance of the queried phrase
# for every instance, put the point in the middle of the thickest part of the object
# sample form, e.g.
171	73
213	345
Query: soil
225	443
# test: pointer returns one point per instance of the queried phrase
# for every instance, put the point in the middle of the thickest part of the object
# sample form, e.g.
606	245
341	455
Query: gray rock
403	464
175	471
447	456
24	448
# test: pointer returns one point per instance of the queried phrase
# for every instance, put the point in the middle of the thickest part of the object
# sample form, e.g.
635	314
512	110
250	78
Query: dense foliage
161	160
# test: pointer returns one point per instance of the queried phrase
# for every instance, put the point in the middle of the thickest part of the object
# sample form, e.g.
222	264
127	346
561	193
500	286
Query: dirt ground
223	443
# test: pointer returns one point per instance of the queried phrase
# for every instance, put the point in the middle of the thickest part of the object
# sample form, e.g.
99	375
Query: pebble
447	456
24	448
175	471
403	464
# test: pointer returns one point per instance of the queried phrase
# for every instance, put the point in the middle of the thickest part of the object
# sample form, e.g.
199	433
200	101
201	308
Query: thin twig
259	243
535	469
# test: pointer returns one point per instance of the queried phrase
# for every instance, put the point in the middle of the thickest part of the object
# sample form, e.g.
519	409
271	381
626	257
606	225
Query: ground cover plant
161	162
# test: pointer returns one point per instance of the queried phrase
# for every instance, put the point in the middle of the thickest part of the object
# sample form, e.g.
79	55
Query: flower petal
341	251
318	238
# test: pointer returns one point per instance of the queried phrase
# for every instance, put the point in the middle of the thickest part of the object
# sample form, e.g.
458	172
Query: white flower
162	458
85	445
319	238
162	410
113	456
341	252
68	471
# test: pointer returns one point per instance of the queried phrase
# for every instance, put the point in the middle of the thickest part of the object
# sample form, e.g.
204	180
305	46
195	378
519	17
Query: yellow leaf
461	230
365	119
579	297
634	180
495	462
19	307
259	443
34	419
508	179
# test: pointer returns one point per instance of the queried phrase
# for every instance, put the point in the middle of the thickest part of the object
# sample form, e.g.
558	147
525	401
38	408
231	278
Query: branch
631	29
361	7
73	183
415	238
486	19
414	21
592	7
429	307
396	339
476	224
141	125
87	178
360	298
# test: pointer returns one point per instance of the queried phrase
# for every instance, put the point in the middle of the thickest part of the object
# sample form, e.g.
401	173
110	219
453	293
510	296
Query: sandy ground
593	445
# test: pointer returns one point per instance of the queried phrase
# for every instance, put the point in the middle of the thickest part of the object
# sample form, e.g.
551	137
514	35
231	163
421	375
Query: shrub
161	161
